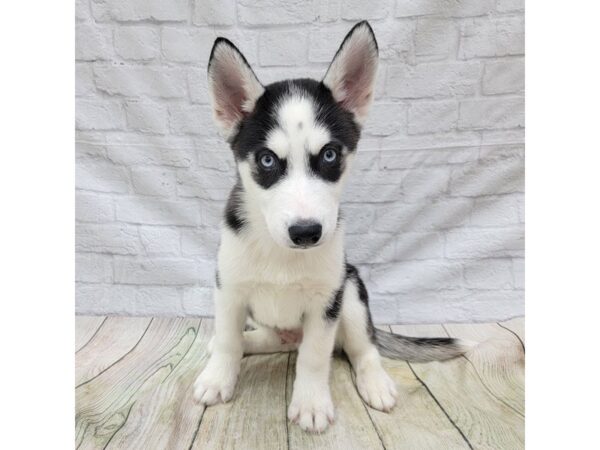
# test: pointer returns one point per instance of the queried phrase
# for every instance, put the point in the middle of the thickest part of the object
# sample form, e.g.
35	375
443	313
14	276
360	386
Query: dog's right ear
232	85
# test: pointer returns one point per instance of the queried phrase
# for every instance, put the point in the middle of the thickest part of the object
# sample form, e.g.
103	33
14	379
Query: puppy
281	262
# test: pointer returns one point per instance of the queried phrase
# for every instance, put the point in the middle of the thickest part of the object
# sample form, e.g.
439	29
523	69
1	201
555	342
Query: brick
421	183
435	37
93	208
432	117
117	239
84	79
147	116
441	214
485	243
490	152
93	268
154	181
266	12
134	81
323	43
418	245
206	184
489	274
378	248
93	148
407	159
411	275
157	271
92	42
160	240
519	273
128	300
198	86
216	155
282	48
199	301
458	306
504	77
492	37
496	211
137	42
361	10
395	40
357	219
433	80
510	5
96	114
491	113
155	150
191	119
158	212
201	242
101	176
187	45
456	8
329	10
136	10
214	12
386	119
493	178
82	10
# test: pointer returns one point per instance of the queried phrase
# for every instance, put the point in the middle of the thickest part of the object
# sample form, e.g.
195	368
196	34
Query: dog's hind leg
266	340
356	336
263	340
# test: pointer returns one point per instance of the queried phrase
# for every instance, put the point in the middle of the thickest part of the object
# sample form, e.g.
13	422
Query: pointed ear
232	85
351	74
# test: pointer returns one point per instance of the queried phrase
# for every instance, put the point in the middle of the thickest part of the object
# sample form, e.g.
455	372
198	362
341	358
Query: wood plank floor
134	378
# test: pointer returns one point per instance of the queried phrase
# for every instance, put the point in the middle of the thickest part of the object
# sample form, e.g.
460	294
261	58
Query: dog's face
294	140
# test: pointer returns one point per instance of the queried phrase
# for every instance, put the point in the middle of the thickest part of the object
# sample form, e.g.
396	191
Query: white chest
282	307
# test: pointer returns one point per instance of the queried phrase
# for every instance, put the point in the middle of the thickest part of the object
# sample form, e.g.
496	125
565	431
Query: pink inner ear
229	96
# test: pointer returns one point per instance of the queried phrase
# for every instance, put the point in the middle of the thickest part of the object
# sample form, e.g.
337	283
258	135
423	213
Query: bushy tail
415	349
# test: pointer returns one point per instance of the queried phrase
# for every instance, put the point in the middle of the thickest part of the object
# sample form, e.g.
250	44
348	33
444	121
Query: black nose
305	233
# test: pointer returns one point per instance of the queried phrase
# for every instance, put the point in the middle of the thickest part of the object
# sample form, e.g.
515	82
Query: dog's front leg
311	406
217	380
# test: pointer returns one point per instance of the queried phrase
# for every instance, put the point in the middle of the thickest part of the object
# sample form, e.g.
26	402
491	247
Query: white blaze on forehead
297	130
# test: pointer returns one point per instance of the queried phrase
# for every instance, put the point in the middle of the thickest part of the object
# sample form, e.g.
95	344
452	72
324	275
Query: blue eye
267	160
329	155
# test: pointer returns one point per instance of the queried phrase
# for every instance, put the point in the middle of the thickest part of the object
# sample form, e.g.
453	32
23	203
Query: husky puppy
281	261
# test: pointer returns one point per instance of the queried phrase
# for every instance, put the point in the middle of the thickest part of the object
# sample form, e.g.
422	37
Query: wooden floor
134	381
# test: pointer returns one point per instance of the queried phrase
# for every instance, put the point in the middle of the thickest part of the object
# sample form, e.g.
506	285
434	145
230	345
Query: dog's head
294	140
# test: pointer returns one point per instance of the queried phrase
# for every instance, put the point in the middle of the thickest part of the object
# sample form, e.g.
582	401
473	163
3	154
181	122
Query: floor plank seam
285	406
353	377
92	337
513	333
440	405
118	360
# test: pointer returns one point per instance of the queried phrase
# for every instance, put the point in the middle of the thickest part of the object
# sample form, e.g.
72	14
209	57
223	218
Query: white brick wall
435	207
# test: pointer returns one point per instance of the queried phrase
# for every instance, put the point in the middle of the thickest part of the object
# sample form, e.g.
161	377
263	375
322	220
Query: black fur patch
363	295
267	178
328	171
254	128
333	309
217	279
234	211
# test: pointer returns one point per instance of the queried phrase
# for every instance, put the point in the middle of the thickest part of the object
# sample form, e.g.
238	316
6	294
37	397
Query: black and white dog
281	259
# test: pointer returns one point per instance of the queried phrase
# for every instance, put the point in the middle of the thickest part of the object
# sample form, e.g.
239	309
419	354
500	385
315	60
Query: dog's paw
216	383
377	389
312	409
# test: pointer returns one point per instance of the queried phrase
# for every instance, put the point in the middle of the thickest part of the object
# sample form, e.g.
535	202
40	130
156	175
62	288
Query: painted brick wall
435	207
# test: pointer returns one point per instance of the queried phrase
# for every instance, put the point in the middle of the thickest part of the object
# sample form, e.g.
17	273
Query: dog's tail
416	349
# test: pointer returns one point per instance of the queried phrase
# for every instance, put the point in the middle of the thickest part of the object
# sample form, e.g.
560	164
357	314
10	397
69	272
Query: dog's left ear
351	74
